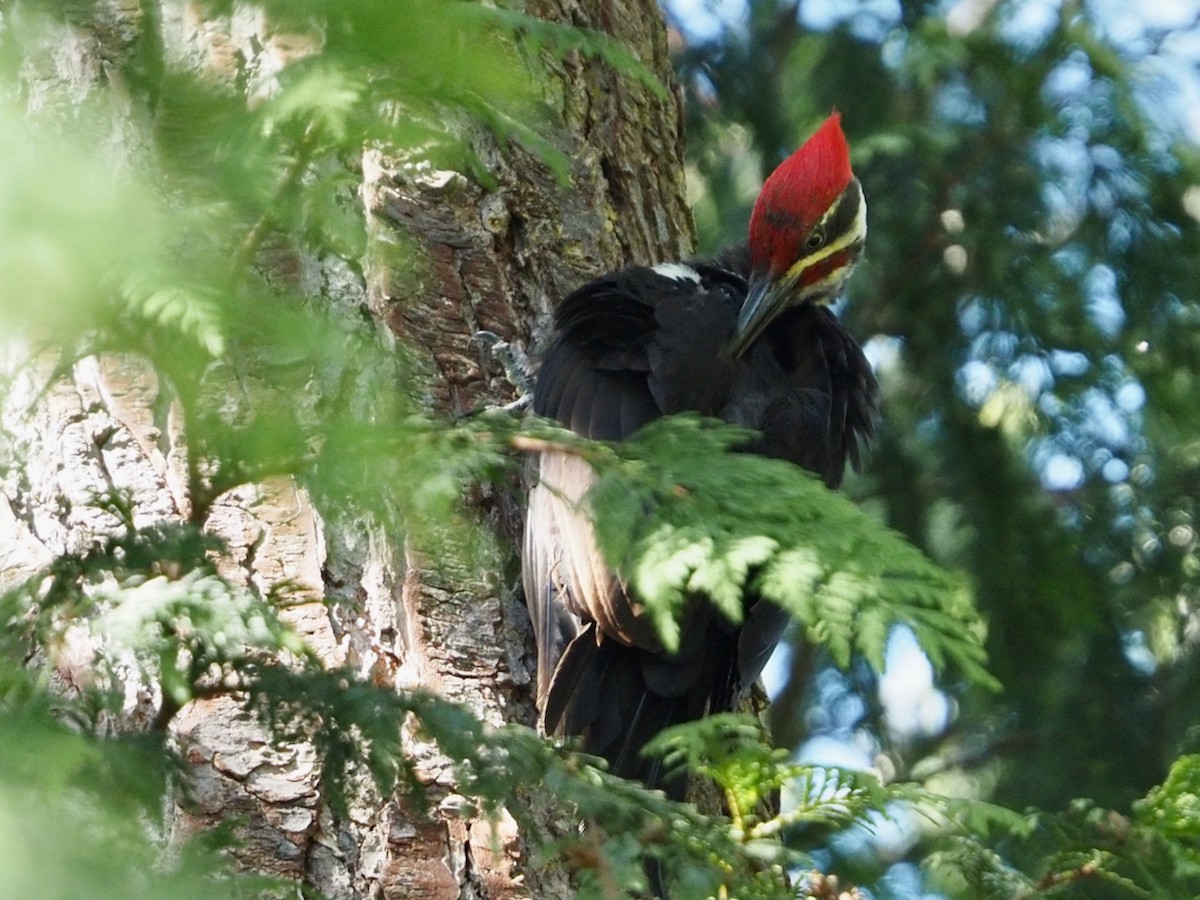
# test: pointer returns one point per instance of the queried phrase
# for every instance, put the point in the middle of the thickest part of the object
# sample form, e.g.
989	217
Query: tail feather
612	696
572	700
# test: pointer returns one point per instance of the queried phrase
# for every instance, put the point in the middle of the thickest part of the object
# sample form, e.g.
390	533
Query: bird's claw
513	360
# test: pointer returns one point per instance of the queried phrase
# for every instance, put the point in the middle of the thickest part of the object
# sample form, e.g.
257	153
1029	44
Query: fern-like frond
682	513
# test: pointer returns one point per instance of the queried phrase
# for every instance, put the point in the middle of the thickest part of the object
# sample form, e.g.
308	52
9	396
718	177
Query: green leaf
728	525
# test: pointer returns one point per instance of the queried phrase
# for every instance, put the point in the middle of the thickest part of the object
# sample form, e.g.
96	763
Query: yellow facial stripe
856	233
826	286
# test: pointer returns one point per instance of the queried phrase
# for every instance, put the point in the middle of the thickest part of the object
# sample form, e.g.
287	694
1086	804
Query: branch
1058	879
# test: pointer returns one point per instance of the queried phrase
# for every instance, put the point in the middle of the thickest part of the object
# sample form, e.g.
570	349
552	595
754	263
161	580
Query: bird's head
806	232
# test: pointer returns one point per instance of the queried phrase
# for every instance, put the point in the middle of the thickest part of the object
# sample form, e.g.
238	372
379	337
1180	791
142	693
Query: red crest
796	195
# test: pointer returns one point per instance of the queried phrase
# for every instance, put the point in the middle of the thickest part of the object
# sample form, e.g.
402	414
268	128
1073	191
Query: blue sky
1161	37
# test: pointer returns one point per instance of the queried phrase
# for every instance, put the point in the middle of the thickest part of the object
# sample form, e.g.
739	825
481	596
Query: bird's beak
767	296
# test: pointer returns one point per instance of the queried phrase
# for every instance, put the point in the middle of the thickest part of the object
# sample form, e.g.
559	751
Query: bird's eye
815	240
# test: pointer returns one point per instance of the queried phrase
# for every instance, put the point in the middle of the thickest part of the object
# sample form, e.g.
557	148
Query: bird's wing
639	344
691	366
593	377
810	391
613	367
567	581
628	348
853	393
593	380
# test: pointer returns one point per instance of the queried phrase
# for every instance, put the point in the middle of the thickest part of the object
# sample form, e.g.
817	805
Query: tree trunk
492	259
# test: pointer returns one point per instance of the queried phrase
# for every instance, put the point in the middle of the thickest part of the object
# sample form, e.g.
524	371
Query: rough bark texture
498	260
492	259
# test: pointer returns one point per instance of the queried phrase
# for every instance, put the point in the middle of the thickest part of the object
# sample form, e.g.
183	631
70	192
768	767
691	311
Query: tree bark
491	259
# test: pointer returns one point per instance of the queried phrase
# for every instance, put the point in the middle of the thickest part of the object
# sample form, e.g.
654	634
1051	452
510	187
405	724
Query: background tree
1031	291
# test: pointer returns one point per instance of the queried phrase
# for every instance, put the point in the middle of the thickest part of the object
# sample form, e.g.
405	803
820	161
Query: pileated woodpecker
747	337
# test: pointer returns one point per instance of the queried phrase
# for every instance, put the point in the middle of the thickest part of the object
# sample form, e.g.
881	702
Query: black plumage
627	348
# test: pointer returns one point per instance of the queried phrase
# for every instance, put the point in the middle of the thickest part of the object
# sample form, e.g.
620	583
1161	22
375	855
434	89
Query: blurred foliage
147	217
1030	297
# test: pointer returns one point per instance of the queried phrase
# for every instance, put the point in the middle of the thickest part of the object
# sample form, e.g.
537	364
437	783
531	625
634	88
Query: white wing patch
678	271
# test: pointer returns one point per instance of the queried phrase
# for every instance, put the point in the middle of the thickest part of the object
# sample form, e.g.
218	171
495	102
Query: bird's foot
513	359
